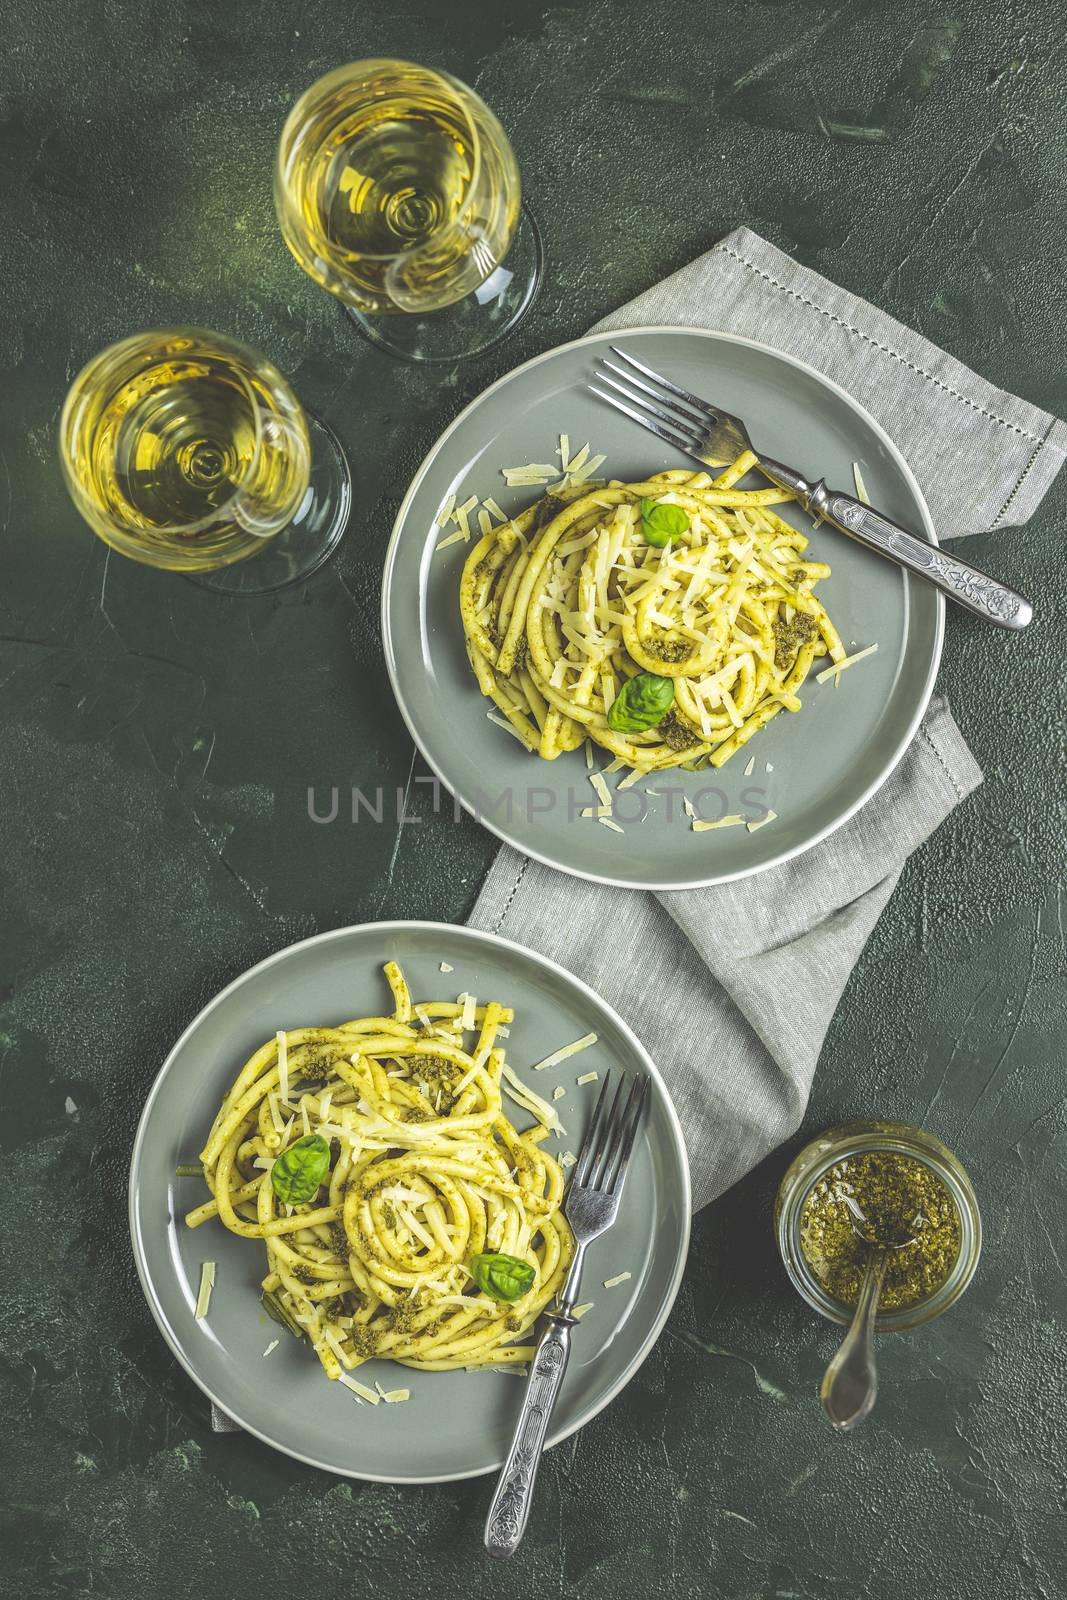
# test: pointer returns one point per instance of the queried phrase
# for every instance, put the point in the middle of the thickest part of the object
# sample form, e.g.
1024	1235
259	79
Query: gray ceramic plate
455	1425
826	760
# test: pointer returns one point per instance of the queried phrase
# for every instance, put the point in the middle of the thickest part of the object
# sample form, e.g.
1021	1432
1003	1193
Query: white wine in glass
185	450
397	190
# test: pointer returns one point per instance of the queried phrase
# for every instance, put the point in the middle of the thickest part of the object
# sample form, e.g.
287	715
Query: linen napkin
761	963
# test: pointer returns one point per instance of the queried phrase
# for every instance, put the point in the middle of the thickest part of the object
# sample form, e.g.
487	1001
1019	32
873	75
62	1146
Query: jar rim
853	1138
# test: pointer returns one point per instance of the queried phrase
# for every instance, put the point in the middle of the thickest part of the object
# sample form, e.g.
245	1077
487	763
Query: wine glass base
310	539
474	324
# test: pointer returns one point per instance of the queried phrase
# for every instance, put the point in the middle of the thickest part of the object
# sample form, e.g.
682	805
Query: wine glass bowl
185	450
397	191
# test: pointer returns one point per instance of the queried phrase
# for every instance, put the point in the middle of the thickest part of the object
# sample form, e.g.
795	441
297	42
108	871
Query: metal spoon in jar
850	1385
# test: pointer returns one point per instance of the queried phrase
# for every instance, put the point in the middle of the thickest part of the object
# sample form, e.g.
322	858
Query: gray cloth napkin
762	963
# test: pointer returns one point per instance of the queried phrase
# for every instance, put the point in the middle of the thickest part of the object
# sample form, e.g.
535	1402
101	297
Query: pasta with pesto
374	1162
667	621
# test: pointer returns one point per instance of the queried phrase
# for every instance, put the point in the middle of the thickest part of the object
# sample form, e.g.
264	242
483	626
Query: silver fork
591	1206
714	437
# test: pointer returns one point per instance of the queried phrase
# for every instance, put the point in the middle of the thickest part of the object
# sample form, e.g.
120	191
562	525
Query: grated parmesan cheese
444	516
272	1346
360	1390
470	1007
861	487
761	821
723	822
565	1052
394	1397
580	1311
849	661
588	1077
621	1277
606	822
530	1101
567	1159
558	1092
207	1283
444	967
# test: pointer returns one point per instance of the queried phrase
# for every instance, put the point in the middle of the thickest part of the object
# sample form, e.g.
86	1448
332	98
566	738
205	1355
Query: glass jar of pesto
906	1183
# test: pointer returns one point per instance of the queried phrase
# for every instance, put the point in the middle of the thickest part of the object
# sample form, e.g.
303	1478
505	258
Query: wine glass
185	450
397	190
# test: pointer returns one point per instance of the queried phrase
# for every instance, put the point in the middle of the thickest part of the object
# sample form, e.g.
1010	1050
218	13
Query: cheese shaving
360	1390
444	516
588	1077
565	1052
531	1102
840	666
606	822
761	822
620	1277
207	1283
723	822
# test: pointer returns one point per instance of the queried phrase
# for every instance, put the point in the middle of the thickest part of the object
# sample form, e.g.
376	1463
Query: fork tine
672	439
685	425
618	1176
702	406
598	1165
679	409
619	1128
592	1135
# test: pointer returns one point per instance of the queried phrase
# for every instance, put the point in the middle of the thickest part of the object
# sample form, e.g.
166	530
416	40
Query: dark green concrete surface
158	744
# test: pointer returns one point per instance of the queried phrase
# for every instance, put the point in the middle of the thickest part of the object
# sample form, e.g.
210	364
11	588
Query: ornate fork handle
973	590
510	1508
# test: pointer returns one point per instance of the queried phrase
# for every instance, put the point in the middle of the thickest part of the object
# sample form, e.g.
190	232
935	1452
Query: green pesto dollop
898	1196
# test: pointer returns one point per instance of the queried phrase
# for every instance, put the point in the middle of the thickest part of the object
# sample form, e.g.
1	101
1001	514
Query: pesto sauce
896	1194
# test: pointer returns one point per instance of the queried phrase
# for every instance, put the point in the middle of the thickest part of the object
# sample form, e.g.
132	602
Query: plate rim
386	929
500	831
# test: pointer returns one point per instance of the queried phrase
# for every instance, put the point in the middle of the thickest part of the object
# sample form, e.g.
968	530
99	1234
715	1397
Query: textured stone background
158	743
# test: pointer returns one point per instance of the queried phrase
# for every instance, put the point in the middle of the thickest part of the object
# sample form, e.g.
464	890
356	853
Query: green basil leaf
502	1277
660	524
641	703
298	1171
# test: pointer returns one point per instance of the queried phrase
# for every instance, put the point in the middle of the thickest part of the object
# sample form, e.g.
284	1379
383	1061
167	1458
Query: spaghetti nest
667	621
425	1173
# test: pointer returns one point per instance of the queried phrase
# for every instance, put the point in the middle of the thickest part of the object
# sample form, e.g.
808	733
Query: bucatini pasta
375	1163
668	621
